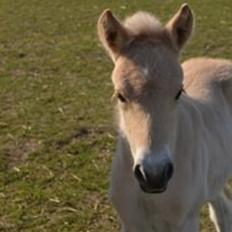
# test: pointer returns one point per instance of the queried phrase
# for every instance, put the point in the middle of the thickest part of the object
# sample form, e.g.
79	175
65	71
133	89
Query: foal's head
147	80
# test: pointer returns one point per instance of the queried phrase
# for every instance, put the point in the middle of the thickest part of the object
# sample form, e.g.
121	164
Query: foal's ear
111	33
181	25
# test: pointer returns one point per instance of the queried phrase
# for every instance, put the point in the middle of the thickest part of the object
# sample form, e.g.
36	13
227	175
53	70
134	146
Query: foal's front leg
221	211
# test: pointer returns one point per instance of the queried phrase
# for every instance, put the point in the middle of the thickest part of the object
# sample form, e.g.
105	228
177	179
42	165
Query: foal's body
174	151
203	151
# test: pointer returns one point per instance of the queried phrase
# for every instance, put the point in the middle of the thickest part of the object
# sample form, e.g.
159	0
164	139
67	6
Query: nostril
169	171
139	173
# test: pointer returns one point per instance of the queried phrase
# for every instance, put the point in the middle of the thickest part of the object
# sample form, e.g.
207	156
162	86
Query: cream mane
143	23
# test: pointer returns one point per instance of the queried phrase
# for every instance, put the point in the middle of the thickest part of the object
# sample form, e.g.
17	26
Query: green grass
56	125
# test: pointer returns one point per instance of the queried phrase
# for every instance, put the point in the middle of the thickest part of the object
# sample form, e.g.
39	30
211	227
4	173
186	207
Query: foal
174	148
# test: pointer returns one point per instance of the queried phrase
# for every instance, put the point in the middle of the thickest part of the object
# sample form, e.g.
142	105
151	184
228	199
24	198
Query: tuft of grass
56	130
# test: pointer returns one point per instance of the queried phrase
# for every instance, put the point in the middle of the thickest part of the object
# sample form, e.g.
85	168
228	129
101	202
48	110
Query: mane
143	23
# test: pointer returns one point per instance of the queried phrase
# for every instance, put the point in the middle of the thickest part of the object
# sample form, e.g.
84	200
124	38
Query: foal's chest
162	212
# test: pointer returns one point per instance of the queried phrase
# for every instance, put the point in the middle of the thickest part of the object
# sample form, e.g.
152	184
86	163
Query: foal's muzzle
155	179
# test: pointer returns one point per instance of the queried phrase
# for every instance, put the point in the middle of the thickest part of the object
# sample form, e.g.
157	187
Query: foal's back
208	79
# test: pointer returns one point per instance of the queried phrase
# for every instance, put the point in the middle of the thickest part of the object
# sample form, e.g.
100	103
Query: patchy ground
56	124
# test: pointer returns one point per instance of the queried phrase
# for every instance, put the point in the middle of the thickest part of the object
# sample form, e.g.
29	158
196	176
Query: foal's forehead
128	73
147	62
147	66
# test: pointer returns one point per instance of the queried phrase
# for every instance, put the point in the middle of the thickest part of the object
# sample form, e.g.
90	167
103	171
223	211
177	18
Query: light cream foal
174	148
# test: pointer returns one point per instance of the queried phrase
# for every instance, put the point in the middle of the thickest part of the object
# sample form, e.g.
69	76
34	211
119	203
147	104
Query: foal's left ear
112	33
180	26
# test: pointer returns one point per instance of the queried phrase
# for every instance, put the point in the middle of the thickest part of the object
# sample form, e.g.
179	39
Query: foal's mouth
153	190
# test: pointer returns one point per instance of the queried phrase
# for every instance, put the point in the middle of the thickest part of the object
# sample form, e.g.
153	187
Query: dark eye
178	94
121	98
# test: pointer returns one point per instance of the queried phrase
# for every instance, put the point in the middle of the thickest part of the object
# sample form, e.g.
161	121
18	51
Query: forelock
143	23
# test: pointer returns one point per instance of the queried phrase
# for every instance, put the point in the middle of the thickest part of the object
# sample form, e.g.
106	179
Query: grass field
56	125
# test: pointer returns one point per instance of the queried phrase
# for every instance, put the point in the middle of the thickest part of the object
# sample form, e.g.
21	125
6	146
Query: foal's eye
178	94
121	98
